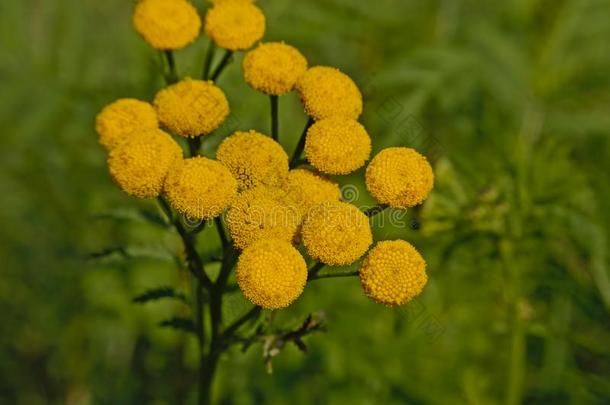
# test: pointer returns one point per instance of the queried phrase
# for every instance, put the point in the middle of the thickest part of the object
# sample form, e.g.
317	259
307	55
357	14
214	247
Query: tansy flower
262	213
308	189
393	273
166	24
337	145
336	233
122	117
271	273
273	68
253	159
200	188
192	107
327	92
234	25
399	177
140	164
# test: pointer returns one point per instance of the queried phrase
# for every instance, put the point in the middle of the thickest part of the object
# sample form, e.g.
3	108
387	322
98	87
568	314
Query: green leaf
159	293
180	323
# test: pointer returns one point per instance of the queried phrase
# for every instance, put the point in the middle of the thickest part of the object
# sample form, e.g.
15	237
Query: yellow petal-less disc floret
271	273
336	233
393	273
119	119
309	189
192	107
399	177
200	188
167	24
337	145
327	92
253	159
273	68
262	213
234	25
140	164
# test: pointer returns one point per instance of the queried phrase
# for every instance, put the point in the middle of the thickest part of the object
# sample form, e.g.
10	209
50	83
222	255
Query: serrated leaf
159	293
134	215
180	323
118	254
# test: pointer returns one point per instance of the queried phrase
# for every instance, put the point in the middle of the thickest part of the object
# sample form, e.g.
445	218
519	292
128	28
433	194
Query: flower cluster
270	207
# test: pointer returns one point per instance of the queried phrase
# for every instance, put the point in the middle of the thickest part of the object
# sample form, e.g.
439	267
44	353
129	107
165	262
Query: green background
509	99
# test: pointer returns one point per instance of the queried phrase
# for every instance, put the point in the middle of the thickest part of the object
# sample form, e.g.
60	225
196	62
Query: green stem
371	212
172	76
193	260
199	322
274	117
221	66
194	146
207	63
312	273
332	275
231	329
296	156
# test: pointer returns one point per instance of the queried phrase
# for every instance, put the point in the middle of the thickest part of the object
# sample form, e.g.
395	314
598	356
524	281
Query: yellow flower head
309	189
327	92
274	68
121	118
167	24
262	213
235	25
253	159
399	177
271	273
337	145
393	273
192	107
200	188
140	164
336	233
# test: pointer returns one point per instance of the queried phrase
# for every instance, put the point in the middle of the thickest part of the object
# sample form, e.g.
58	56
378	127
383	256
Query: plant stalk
274	117
221	66
296	156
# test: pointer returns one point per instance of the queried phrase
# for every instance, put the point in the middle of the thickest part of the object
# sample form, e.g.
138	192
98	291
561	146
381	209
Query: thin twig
333	275
371	212
313	271
296	156
274	117
231	329
209	56
221	66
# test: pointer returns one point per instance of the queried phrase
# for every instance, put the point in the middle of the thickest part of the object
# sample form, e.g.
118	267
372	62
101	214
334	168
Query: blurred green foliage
511	100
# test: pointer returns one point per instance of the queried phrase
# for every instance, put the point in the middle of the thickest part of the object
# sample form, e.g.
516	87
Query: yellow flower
235	25
337	145
327	92
271	273
336	233
399	177
167	24
262	213
393	273
121	118
140	164
253	159
200	188
192	107
274	68
308	189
